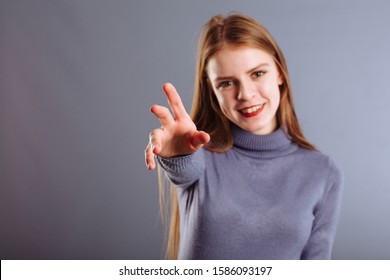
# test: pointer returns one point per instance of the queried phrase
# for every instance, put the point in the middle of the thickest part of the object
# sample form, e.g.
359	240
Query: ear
280	80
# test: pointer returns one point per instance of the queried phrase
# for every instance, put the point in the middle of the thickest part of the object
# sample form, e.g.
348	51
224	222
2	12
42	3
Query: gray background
77	78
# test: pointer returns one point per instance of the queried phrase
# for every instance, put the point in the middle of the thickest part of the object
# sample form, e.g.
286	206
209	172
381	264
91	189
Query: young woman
246	182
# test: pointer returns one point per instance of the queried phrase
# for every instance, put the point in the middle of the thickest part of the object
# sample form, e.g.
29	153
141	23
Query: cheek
224	104
221	100
275	98
272	91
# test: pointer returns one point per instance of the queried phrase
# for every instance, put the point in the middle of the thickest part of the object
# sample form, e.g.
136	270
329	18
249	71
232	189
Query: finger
149	157
163	114
155	139
154	147
199	138
174	101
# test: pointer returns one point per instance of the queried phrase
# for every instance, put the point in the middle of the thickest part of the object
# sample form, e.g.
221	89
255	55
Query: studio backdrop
77	79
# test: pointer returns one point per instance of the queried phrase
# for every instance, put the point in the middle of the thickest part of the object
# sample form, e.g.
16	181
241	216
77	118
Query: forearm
183	171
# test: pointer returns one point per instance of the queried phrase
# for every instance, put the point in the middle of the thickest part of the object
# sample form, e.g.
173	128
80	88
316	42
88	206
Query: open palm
177	135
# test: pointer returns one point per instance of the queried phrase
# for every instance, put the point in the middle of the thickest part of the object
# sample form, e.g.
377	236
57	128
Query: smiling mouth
252	111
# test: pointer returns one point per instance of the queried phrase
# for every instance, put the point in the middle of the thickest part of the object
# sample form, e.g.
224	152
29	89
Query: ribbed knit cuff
176	164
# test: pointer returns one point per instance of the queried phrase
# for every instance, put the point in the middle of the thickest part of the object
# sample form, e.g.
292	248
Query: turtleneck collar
276	144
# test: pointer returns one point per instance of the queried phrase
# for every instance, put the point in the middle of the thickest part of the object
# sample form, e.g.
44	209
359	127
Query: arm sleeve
320	243
183	171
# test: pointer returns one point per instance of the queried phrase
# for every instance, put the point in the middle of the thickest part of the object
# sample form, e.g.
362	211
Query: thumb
199	138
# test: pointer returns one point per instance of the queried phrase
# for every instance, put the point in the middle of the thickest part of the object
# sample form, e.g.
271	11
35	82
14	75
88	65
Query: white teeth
252	109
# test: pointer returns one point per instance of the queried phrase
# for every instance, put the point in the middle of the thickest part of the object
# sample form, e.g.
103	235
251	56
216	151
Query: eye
225	84
258	74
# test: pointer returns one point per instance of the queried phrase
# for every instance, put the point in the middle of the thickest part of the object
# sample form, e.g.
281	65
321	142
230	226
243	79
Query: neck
275	144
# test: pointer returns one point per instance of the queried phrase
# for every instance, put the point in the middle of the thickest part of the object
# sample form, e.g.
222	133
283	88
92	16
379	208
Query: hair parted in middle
234	30
237	30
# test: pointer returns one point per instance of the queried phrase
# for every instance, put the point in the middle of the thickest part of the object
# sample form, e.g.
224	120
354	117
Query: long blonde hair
234	30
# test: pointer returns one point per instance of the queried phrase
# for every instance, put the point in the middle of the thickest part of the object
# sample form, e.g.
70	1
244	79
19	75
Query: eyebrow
249	71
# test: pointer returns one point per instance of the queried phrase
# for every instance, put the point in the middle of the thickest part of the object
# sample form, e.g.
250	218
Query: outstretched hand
177	135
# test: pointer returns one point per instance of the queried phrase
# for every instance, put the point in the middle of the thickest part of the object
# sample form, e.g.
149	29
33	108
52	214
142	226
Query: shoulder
322	163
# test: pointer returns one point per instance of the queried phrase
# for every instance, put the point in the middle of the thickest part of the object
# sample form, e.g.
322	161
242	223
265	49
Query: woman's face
246	83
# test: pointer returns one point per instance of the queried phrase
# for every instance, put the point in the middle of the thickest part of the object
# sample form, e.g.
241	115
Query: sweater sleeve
320	243
183	171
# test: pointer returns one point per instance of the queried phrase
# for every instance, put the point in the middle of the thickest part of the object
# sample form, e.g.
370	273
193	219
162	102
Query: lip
252	114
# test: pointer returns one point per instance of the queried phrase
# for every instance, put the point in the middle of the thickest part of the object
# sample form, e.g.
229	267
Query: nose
245	92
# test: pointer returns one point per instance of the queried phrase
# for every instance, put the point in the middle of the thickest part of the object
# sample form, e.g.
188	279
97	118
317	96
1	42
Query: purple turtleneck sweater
265	198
